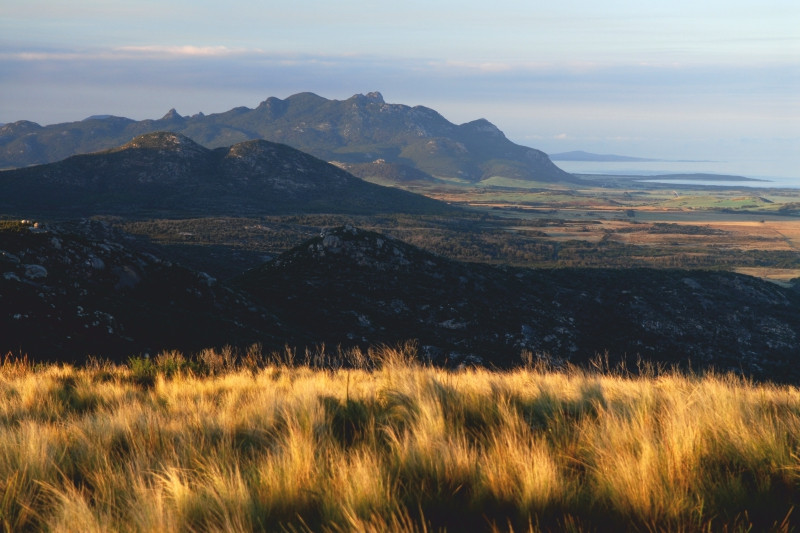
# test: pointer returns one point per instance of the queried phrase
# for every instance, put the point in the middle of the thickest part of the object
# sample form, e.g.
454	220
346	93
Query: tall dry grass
181	445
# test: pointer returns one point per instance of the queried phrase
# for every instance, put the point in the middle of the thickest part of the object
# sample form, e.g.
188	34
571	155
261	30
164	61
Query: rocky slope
77	289
169	174
366	288
80	289
358	130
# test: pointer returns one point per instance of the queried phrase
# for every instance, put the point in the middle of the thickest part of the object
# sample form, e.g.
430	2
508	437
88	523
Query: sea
768	174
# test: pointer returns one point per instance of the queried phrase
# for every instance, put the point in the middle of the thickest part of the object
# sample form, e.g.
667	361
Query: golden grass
400	447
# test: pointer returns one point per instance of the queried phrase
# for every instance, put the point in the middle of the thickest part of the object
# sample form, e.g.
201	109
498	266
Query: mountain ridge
75	289
369	288
168	172
357	130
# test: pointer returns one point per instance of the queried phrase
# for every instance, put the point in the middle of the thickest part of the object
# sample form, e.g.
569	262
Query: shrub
143	371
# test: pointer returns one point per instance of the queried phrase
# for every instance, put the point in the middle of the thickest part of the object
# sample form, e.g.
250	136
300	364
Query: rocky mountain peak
370	98
483	126
172	114
163	140
21	127
273	107
361	248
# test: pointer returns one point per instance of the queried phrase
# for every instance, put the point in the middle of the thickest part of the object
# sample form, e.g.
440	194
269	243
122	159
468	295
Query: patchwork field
714	225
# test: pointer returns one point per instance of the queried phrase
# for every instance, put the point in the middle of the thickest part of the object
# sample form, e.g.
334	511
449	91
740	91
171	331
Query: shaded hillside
382	172
169	174
360	129
79	289
365	288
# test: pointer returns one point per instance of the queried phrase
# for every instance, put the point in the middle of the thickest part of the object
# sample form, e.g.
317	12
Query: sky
709	79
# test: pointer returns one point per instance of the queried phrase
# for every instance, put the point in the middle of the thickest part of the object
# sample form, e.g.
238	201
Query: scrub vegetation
355	441
526	238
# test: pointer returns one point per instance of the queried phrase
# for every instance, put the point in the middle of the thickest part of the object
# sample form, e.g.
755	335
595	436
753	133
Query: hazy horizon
685	80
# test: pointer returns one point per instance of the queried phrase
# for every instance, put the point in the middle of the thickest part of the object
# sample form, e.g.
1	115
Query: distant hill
358	130
168	174
580	155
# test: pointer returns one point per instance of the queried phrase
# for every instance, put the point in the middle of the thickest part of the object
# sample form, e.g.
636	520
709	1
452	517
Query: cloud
125	52
42	56
486	66
179	51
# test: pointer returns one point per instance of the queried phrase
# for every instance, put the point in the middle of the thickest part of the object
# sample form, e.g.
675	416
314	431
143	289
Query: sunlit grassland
215	444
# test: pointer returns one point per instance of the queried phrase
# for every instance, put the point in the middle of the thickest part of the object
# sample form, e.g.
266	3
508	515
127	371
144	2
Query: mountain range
363	130
168	174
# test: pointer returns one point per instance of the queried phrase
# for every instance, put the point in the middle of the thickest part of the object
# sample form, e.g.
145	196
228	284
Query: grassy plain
265	443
